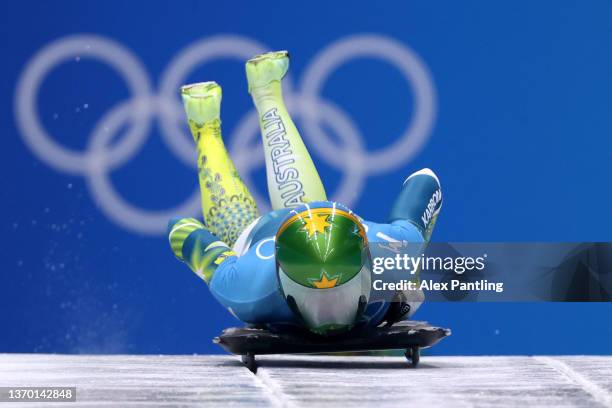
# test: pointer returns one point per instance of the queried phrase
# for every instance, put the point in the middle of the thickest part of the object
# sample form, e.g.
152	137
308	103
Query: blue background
522	143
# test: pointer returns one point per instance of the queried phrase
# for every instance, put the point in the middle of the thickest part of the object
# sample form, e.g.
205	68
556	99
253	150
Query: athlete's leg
227	204
292	176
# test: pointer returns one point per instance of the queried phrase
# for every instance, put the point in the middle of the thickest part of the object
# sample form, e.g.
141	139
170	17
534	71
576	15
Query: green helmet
323	265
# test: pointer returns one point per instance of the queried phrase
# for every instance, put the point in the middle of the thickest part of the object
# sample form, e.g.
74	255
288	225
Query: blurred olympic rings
95	163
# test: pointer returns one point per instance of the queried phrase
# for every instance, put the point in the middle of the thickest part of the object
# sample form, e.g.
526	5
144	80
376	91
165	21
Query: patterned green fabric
203	257
197	247
226	215
227	204
179	231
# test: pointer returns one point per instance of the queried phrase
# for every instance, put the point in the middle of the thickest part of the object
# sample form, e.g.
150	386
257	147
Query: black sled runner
411	336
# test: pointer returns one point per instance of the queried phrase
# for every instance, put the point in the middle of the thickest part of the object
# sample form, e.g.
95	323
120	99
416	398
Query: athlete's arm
411	220
194	245
414	211
418	203
247	285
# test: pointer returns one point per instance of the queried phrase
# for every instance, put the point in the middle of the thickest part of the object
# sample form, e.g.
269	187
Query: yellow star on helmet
316	223
325	281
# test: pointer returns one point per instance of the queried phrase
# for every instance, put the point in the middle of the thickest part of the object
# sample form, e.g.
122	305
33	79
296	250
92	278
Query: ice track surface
316	380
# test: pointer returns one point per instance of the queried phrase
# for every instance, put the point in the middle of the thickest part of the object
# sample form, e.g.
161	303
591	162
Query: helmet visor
328	309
